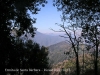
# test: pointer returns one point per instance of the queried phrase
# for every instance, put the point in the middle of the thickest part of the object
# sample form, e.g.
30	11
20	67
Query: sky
47	17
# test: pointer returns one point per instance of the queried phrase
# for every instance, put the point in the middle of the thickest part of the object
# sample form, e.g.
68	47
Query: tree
14	15
29	56
37	58
70	33
87	14
92	36
16	57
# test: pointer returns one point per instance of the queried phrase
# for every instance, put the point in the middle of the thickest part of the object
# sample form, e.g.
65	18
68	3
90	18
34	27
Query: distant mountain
44	39
54	34
47	40
56	52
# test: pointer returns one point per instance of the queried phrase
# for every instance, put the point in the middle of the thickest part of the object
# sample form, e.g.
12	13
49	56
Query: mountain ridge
46	40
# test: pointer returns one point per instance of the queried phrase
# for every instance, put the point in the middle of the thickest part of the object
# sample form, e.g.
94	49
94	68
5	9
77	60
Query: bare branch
56	31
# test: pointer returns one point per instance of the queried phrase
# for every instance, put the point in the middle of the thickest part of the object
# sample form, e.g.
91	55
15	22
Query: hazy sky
47	17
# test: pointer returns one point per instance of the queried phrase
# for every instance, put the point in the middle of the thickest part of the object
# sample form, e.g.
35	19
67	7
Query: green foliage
77	7
37	57
14	15
28	56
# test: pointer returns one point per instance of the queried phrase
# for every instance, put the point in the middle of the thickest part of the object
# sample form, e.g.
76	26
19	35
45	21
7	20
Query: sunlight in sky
47	17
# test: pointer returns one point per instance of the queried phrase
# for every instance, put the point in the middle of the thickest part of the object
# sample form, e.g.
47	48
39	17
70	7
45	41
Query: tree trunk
96	56
96	60
83	60
77	65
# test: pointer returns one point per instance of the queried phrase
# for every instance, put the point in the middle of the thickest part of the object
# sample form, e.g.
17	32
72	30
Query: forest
76	54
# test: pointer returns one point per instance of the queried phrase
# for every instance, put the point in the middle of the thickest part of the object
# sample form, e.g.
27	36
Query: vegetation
84	15
68	66
77	15
27	55
56	52
15	54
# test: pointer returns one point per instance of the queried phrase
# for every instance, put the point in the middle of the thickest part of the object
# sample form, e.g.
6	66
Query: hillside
56	52
69	66
59	60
